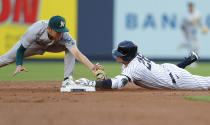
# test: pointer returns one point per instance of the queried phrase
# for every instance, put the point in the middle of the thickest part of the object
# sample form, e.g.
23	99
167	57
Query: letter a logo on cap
62	24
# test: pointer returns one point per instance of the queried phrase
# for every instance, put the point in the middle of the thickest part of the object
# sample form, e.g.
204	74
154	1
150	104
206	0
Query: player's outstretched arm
19	60
83	59
114	83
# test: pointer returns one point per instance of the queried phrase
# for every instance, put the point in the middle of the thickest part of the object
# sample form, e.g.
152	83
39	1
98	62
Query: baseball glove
204	30
100	75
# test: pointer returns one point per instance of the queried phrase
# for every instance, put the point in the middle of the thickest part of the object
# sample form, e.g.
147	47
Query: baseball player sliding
47	36
145	73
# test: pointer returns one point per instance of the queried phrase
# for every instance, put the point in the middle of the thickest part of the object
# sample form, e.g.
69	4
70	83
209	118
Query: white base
77	88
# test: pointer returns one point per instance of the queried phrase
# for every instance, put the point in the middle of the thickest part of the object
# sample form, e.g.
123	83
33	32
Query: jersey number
144	61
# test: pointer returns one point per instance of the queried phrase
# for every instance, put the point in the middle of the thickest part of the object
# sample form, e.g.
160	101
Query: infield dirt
41	103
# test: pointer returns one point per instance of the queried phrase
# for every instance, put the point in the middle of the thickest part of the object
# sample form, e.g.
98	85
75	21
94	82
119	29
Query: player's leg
189	60
10	56
186	81
69	59
194	47
184	43
69	62
204	82
195	44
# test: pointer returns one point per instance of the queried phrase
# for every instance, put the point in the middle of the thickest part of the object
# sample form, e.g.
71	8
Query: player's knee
5	60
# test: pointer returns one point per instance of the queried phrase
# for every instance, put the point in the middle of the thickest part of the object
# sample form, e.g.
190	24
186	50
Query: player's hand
97	66
19	68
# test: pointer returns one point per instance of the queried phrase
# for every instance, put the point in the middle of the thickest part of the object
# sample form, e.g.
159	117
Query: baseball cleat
194	56
68	81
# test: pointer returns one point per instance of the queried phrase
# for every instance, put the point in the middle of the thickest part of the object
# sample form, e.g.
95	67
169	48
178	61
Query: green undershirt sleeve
19	55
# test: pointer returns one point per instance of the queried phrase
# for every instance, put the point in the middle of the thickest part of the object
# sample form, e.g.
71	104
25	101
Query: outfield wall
17	15
155	25
95	34
98	25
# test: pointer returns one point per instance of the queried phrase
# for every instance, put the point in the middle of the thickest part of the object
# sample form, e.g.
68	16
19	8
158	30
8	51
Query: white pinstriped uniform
148	74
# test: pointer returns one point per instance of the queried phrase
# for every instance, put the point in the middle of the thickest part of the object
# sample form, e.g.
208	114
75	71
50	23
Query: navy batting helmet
127	50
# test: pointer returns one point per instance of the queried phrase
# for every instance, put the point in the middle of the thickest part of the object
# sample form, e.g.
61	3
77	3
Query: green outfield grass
53	71
198	98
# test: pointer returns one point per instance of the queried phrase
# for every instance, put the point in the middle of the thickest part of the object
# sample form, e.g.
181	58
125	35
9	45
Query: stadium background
98	25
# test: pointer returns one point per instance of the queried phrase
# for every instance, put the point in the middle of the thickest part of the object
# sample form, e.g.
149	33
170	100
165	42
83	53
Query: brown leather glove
100	75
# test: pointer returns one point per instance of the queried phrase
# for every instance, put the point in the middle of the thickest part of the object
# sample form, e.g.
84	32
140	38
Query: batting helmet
127	50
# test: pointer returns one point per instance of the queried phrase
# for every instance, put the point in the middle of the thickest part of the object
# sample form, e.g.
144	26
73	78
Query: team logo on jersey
70	42
62	24
124	82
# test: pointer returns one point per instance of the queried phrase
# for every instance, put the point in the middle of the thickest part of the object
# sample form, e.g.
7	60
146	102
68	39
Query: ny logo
62	24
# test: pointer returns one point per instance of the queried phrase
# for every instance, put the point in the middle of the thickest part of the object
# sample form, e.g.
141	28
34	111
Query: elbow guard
119	81
115	83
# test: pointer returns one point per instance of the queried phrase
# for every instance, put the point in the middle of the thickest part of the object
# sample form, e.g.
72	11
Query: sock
185	62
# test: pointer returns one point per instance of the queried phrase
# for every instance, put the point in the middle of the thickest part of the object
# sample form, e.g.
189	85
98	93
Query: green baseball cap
58	24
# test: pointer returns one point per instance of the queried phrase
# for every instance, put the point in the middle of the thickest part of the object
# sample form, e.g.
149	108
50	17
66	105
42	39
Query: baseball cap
58	24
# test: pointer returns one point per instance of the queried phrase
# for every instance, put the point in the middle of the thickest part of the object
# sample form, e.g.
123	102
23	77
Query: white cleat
194	56
68	81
